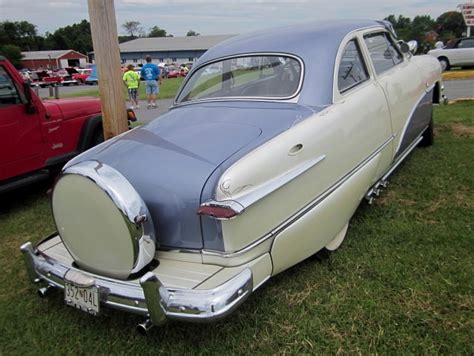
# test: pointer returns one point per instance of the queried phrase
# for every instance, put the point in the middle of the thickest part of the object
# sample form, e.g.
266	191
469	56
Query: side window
8	92
382	51
467	43
352	70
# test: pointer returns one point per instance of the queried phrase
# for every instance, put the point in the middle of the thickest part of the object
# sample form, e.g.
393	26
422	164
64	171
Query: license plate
83	298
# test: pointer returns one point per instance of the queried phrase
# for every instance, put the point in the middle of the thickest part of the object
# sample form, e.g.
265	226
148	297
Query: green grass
401	283
168	90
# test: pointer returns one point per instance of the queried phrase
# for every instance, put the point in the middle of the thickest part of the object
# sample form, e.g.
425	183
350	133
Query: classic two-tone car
256	167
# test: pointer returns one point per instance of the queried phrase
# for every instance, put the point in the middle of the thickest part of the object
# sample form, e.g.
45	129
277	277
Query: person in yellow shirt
132	82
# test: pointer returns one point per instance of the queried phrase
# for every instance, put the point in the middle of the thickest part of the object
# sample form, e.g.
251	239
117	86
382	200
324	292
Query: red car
79	74
44	79
177	73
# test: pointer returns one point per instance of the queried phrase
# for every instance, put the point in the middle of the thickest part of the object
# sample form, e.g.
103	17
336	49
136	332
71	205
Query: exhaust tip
44	292
144	328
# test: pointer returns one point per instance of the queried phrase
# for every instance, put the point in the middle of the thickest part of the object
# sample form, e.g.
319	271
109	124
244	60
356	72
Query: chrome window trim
243	98
364	63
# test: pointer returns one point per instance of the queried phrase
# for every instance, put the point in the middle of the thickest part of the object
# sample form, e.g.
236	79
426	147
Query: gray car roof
316	43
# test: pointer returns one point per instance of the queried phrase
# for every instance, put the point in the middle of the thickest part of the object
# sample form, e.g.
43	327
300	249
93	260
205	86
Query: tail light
224	210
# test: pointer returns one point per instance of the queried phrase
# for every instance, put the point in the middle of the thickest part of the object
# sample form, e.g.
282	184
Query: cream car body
283	172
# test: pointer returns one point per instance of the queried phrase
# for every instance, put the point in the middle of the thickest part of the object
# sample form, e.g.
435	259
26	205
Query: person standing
132	82
151	73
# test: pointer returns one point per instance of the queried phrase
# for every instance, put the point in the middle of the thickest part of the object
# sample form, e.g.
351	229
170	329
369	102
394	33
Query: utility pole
107	58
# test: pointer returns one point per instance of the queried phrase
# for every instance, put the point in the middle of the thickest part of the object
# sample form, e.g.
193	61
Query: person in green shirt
132	82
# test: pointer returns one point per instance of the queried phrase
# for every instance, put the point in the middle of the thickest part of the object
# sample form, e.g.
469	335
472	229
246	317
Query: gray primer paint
170	160
418	121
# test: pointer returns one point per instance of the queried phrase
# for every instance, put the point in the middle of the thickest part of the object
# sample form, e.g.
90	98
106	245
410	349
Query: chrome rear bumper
148	297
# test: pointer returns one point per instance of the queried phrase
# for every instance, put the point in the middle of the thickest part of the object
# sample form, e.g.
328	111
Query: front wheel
444	63
428	135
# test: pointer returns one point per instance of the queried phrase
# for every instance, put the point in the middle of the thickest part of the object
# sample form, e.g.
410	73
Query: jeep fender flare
88	132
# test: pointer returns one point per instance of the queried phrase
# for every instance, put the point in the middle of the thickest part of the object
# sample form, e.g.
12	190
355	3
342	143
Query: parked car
248	174
459	52
174	72
67	78
45	78
79	74
38	135
93	78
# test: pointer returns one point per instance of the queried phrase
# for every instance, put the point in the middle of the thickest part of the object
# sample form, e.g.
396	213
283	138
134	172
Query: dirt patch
390	197
460	130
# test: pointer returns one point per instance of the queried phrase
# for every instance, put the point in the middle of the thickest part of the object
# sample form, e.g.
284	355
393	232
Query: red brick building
53	59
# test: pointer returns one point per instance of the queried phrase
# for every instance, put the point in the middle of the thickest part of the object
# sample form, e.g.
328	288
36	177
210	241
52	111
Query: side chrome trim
302	211
275	184
410	116
253	54
239	205
149	297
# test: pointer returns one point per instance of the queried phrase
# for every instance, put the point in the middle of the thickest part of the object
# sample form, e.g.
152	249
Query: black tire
428	135
98	137
444	63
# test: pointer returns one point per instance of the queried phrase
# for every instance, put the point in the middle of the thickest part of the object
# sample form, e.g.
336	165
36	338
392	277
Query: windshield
260	76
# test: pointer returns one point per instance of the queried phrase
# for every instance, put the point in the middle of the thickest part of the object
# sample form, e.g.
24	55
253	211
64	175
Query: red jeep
36	135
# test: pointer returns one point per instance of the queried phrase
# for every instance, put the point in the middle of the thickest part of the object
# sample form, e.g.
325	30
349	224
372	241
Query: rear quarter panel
335	136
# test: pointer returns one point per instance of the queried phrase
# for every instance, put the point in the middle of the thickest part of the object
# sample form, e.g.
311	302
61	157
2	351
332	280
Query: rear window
260	76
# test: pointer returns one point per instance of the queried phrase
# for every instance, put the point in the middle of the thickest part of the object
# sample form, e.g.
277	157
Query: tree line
18	36
427	31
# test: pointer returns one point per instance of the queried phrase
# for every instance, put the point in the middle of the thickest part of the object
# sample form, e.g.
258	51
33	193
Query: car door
400	80
20	133
356	140
465	52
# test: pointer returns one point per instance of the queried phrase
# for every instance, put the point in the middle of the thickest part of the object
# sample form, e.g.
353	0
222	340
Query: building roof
32	55
186	43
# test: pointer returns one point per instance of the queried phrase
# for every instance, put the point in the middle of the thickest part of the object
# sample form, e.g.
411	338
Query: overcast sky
210	17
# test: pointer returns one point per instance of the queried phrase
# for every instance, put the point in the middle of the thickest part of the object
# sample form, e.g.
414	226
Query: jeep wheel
98	137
